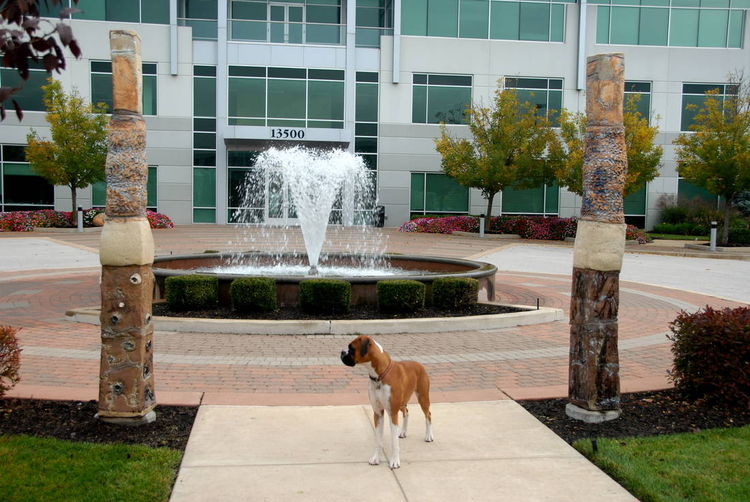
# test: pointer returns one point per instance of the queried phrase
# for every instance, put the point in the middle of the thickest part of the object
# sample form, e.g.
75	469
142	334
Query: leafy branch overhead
26	40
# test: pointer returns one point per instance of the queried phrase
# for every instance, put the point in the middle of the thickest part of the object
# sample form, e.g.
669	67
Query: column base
591	417
139	420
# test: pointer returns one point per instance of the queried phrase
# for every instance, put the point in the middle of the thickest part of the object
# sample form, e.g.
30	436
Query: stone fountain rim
479	269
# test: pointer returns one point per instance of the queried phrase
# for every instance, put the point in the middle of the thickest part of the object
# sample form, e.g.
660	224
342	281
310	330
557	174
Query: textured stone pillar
126	378
594	379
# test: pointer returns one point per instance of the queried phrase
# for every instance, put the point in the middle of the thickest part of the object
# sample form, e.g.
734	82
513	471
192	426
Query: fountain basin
424	269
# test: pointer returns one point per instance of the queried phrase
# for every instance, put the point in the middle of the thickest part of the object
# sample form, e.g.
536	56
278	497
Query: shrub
684	228
711	351
633	233
674	214
253	294
450	293
10	361
400	295
739	236
324	296
158	220
192	292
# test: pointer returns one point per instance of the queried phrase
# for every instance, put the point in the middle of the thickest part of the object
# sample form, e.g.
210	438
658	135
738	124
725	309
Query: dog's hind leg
405	413
379	426
423	396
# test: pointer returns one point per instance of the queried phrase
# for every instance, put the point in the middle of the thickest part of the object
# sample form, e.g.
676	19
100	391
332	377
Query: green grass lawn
712	465
41	469
675	237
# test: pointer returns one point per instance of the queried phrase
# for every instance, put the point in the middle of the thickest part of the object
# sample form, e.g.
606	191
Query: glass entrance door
280	208
287	23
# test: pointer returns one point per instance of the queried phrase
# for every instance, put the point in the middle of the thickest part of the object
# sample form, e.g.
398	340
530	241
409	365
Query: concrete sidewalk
493	450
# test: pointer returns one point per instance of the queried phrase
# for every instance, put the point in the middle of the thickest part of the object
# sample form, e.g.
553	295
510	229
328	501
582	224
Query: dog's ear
363	348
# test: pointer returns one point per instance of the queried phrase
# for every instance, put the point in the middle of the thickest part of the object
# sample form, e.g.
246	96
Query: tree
27	42
507	149
644	157
78	150
716	154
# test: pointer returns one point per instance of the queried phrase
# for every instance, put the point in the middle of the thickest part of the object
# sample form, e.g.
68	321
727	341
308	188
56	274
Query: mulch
644	414
355	313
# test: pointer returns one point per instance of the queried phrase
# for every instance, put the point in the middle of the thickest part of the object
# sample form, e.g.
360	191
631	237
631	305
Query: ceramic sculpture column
594	379
126	380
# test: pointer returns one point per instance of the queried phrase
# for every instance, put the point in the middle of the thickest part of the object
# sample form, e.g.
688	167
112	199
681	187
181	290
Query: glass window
534	21
31	96
204	187
635	203
123	10
417	192
22	190
367	103
99	191
155	11
247	97
624	29
437	193
504	20
545	94
643	91
101	86
204	96
693	99
527	201
286	98
325	100
414	17
198	9
473	18
442	18
687	192
653	27
712	28
445	98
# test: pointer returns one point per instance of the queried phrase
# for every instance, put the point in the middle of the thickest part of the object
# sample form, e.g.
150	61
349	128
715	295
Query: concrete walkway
281	418
482	451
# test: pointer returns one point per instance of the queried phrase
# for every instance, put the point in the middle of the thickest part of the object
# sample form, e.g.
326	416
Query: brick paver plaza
60	359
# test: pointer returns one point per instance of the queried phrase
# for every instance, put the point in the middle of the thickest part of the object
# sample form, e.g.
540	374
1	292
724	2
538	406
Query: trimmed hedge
451	293
712	355
739	236
325	296
192	292
10	363
253	294
400	295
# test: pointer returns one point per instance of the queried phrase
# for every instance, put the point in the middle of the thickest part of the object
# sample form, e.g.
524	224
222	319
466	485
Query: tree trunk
74	197
489	207
727	220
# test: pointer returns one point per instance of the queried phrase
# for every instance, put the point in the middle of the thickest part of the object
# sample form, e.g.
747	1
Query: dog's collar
381	376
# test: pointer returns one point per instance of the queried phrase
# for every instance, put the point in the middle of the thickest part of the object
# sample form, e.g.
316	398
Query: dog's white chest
380	396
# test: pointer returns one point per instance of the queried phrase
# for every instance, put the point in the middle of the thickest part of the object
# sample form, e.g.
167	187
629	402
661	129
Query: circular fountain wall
290	269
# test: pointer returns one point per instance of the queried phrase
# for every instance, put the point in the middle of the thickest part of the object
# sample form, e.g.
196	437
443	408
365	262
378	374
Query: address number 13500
279	133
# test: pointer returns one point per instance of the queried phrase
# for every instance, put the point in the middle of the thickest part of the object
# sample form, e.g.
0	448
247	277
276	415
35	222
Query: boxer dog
391	386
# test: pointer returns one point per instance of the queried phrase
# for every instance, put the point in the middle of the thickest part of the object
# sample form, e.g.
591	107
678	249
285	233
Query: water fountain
312	185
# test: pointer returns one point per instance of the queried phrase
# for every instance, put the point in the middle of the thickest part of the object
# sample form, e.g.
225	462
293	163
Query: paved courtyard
44	274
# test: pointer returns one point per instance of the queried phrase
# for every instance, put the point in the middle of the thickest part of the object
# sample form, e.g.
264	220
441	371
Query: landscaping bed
643	414
355	313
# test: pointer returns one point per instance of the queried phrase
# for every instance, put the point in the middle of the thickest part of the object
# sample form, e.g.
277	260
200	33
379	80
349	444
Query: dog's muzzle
347	358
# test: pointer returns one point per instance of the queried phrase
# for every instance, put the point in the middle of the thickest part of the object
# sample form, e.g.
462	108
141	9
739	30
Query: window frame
146	71
441	80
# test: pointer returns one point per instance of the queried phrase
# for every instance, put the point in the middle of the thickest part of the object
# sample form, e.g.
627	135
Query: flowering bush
9	359
26	221
528	227
158	220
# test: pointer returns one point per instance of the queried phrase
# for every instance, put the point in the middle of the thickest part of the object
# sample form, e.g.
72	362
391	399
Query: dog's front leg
395	462
379	426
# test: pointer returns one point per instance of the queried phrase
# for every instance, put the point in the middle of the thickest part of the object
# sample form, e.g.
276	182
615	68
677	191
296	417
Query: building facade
226	79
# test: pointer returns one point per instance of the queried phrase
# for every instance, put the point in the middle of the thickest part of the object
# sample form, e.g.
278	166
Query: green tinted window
199	9
204	97
624	29
326	100
640	93
101	86
155	11
31	96
419	104
552	205
417	192
204	140
523	201
534	21
414	17
204	187
545	95
654	26
257	11
442	194
473	19
602	25
367	103
123	10
91	9
442	18
686	192
557	22
149	94
151	187
204	215
286	99
712	30
504	20
99	194
635	203
247	97
447	104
